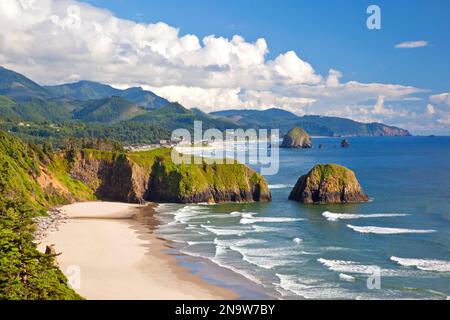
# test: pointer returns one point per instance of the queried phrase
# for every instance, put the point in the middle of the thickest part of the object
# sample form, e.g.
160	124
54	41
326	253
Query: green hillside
89	102
313	124
108	110
19	87
25	273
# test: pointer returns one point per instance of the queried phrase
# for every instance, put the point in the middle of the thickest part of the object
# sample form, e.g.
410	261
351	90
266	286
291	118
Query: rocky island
296	138
345	143
328	183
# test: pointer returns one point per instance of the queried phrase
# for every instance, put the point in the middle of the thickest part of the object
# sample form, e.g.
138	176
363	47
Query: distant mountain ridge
19	87
22	99
89	90
313	124
108	110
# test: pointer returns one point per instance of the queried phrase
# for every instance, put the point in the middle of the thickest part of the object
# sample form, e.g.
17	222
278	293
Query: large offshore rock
296	138
328	183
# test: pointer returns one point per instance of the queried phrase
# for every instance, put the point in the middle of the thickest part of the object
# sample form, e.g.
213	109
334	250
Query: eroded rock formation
329	183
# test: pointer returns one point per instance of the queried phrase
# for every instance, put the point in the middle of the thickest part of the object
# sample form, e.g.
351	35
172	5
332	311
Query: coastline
117	256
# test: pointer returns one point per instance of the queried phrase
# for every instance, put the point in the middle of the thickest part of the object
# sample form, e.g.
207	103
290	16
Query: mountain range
313	124
88	102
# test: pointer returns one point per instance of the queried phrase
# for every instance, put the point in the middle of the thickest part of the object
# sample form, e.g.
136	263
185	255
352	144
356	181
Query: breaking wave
424	264
252	219
280	186
331	216
382	230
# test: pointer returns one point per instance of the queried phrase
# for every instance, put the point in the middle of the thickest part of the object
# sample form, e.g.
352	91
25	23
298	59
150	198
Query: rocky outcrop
329	183
214	183
152	176
296	138
345	143
382	130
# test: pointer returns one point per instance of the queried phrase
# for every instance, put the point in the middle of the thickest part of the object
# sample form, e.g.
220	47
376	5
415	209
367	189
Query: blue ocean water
399	242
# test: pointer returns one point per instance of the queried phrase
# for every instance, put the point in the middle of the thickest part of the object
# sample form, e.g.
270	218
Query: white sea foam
247	215
185	214
221	260
424	264
266	258
257	228
241	272
268	220
237	242
344	266
225	231
382	230
353	267
193	243
310	288
331	216
220	250
297	240
346	277
280	186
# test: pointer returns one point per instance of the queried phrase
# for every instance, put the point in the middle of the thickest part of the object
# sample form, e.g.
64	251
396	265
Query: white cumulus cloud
64	41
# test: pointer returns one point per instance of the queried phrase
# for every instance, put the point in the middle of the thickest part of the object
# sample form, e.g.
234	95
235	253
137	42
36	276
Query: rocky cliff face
380	130
153	176
111	176
328	183
296	138
213	183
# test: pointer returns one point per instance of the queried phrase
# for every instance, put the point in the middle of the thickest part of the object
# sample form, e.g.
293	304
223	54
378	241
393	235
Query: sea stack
296	138
345	143
328	183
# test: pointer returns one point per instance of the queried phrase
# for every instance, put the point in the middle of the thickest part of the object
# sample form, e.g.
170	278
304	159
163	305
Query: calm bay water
292	250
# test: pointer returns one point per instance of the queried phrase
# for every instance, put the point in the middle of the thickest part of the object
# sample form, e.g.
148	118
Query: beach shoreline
109	252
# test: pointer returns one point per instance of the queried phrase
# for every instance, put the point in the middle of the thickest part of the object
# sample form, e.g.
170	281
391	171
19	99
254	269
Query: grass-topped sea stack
297	138
328	183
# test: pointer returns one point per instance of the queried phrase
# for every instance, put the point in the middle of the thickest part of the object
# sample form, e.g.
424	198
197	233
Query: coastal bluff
296	138
152	176
328	183
47	179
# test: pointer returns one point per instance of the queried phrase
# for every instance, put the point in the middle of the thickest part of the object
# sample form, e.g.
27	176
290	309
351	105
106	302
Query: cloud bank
65	41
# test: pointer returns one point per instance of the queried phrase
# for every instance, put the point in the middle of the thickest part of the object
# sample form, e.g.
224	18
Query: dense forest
25	273
56	135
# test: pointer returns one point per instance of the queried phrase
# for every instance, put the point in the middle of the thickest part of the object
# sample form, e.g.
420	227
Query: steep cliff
42	180
329	183
151	175
213	183
112	176
38	179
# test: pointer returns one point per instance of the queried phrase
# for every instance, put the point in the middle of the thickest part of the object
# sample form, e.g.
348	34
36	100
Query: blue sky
307	57
328	34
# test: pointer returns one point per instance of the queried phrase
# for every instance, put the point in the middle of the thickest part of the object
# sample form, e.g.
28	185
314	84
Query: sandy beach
117	256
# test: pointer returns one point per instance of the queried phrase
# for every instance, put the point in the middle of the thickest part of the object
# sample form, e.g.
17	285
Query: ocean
396	246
